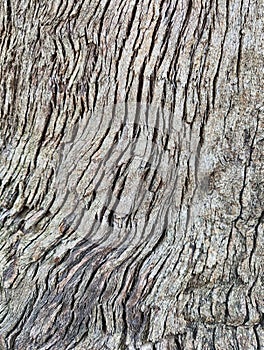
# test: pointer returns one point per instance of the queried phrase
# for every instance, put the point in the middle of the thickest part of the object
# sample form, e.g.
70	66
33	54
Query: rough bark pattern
154	239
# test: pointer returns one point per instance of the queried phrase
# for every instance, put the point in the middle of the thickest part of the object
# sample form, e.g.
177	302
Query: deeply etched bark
131	174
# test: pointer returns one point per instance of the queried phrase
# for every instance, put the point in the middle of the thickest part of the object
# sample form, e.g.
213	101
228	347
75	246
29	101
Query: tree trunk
131	175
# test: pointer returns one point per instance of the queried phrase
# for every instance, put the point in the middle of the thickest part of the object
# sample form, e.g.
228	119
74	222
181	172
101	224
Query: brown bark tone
131	175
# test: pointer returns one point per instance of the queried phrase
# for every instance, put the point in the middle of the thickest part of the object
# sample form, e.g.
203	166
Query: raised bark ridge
131	175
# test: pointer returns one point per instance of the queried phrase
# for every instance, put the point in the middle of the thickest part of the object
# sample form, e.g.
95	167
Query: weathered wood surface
131	175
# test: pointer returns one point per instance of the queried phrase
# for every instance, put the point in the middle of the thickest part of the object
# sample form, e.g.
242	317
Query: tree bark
131	175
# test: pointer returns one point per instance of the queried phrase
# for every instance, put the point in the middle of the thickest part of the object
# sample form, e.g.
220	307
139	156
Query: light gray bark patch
131	175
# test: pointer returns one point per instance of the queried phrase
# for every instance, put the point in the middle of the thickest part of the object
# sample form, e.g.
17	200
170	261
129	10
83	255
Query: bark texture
132	189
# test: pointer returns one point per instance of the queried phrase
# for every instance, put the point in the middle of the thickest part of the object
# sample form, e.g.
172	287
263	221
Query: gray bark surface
131	175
